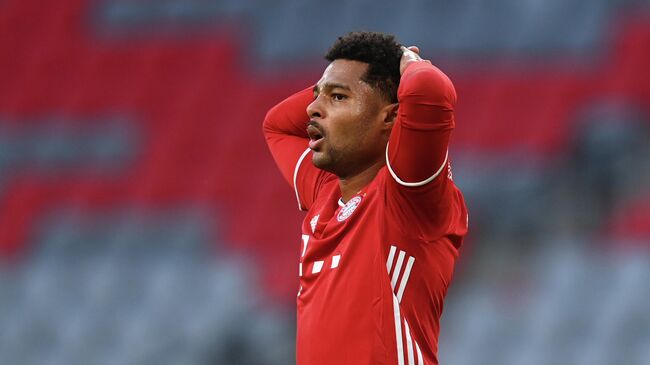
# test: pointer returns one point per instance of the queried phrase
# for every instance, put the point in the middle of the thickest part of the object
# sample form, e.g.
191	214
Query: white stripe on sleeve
391	255
409	343
405	278
398	331
414	184
398	268
417	348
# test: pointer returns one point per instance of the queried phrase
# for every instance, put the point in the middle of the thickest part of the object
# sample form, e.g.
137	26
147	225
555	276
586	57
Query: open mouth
314	133
315	137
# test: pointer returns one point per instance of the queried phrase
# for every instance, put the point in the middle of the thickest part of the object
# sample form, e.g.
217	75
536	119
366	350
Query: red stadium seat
199	112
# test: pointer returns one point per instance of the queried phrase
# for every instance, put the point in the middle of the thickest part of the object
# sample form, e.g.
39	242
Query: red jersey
374	270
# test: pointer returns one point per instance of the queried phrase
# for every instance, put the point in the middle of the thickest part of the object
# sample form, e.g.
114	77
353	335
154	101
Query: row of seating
155	294
466	27
135	288
569	306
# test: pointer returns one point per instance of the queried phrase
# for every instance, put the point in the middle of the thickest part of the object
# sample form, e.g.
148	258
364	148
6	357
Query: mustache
315	124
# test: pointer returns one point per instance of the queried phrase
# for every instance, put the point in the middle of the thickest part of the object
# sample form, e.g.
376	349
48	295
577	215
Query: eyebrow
332	85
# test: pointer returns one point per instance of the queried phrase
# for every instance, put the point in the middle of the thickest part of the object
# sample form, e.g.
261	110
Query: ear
390	115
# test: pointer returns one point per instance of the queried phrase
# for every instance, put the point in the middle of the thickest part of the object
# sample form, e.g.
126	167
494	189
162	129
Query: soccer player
365	150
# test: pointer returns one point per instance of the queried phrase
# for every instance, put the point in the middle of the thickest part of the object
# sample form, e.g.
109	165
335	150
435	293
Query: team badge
348	208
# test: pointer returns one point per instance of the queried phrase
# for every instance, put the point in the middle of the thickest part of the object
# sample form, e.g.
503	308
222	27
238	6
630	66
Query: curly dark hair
380	51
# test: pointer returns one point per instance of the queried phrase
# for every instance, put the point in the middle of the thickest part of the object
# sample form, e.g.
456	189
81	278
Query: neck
351	185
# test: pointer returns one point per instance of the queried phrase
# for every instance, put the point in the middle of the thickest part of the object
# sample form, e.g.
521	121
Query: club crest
348	208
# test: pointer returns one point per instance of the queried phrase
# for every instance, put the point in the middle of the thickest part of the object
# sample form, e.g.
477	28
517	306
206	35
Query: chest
334	233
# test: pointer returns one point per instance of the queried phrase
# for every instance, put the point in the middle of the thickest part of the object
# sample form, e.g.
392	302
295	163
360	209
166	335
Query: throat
352	185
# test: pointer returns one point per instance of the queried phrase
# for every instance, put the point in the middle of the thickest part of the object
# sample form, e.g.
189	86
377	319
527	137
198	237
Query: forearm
419	140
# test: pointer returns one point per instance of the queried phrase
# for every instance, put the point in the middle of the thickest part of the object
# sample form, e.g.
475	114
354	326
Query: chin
317	160
321	161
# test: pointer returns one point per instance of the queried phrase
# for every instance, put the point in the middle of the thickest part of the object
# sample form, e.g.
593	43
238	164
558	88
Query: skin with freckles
352	117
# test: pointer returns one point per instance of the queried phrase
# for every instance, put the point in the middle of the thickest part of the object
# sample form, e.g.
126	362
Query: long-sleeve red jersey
374	270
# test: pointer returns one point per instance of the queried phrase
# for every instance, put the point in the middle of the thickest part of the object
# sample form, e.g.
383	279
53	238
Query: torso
371	284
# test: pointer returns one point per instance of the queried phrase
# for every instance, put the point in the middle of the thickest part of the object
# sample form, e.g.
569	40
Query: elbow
267	123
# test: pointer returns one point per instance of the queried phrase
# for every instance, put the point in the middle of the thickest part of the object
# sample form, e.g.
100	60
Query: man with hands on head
365	150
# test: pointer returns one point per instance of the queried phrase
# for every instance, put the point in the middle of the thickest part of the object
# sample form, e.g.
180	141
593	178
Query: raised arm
286	135
417	149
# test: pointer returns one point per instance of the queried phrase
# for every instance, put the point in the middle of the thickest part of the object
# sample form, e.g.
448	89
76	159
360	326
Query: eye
339	97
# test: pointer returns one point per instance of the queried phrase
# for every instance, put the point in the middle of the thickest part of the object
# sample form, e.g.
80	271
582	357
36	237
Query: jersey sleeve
419	184
285	131
417	150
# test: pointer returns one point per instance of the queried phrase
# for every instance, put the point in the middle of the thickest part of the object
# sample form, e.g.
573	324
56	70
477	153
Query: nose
314	109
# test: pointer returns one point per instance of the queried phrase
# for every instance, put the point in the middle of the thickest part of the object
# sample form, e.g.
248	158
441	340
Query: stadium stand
123	287
142	220
573	307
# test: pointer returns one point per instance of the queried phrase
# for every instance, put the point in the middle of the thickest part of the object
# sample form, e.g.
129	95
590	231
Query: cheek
354	128
368	126
344	127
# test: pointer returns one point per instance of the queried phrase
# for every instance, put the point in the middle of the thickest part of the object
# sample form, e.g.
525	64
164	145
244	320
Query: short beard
333	163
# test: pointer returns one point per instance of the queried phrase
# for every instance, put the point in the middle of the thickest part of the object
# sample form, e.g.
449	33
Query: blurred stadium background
142	220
